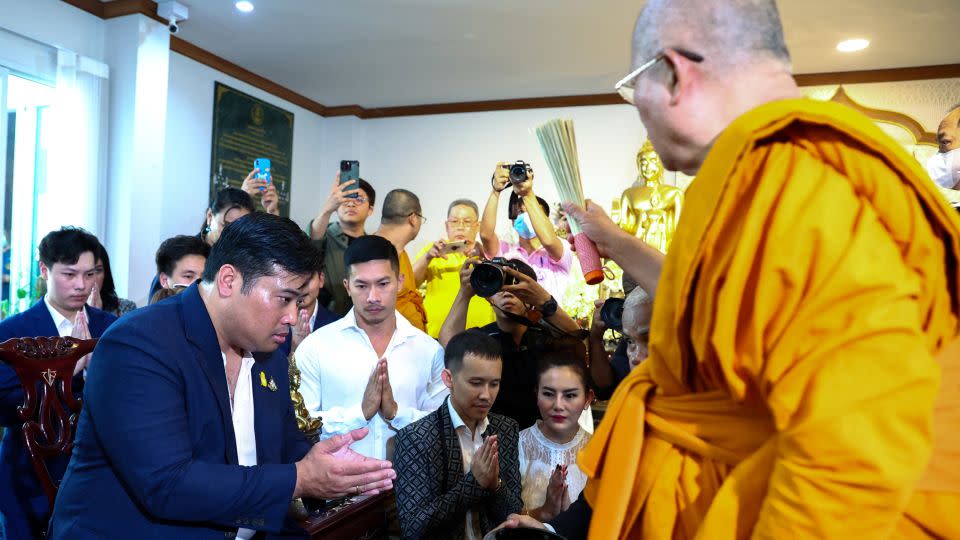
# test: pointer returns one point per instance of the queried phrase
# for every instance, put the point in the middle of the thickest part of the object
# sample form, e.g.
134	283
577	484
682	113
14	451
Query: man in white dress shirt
371	368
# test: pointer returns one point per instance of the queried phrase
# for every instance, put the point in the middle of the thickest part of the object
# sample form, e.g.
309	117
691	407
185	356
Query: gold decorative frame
890	117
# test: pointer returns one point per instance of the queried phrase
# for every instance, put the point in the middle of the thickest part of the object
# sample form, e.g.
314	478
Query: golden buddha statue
650	209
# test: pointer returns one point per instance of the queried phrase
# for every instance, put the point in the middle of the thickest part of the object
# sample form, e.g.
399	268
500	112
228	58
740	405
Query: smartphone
349	173
263	164
453	247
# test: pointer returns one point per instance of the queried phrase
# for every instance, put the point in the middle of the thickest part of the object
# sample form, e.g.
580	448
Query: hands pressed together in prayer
331	470
300	330
378	395
486	464
81	330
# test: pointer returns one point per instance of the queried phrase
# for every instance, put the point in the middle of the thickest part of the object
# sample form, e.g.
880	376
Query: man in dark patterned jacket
458	474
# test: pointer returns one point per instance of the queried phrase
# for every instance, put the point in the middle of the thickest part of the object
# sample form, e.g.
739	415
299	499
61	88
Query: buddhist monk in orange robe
803	372
400	223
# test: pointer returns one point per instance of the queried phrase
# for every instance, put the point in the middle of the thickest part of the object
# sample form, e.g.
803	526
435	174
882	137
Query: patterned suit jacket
434	494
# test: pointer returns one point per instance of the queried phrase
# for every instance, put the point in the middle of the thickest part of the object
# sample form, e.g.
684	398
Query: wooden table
359	518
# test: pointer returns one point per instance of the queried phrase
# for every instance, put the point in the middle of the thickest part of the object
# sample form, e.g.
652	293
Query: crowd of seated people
405	352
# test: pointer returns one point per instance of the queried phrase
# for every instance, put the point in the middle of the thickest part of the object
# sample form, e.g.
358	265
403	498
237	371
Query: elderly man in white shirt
371	368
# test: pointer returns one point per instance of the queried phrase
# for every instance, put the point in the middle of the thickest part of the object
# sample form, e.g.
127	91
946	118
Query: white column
138	52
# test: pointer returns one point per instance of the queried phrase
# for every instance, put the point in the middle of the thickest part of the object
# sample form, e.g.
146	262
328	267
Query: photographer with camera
519	303
630	317
538	244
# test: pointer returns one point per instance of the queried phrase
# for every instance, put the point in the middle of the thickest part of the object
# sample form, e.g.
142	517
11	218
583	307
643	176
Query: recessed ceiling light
853	45
244	6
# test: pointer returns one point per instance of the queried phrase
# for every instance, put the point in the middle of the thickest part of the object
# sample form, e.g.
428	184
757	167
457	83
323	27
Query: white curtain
75	193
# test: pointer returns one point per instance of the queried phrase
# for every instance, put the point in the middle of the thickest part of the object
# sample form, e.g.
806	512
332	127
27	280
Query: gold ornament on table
307	424
650	209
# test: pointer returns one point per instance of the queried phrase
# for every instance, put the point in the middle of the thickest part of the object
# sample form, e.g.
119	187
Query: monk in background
803	318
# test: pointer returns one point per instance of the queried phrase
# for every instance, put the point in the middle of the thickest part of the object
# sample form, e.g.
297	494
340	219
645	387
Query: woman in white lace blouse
549	473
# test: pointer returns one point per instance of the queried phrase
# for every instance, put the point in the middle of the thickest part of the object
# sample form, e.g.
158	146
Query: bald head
399	205
637	312
948	134
726	32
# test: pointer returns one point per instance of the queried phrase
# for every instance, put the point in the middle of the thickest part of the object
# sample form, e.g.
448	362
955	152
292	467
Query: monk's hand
372	393
526	289
331	470
388	405
595	223
515	521
486	465
300	330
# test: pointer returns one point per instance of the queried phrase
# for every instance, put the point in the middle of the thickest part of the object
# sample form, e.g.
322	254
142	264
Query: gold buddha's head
648	164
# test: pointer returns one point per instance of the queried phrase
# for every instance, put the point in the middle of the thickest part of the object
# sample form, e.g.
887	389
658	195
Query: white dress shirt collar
459	423
404	328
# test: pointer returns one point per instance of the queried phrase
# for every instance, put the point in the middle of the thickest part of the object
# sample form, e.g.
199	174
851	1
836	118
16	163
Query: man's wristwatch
549	308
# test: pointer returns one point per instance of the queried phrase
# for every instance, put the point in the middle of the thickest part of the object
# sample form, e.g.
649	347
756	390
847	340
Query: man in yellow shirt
438	264
802	379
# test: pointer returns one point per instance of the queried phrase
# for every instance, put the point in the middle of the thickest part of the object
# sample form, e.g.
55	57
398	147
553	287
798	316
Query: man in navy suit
187	429
67	266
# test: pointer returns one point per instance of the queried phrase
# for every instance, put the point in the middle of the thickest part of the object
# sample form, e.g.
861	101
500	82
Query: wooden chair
50	422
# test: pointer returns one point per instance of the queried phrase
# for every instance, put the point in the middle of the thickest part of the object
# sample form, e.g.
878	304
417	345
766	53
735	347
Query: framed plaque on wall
246	128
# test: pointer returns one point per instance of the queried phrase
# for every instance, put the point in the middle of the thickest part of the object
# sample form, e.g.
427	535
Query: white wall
55	23
188	149
445	157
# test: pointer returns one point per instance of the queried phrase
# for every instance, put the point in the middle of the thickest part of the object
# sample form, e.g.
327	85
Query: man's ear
164	280
683	75
228	281
44	272
400	280
323	279
447	376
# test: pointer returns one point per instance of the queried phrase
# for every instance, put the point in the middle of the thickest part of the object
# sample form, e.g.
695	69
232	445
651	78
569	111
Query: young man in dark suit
187	428
458	473
67	260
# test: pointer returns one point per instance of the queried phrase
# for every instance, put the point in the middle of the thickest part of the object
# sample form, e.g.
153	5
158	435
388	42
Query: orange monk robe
409	301
794	361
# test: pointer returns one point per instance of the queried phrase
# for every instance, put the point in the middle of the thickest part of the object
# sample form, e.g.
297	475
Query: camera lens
487	279
518	172
612	314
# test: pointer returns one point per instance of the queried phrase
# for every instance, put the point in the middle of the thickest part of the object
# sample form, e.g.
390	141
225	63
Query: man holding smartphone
438	264
353	203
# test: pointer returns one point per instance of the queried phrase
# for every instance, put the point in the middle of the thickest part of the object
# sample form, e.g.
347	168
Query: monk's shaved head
948	134
728	33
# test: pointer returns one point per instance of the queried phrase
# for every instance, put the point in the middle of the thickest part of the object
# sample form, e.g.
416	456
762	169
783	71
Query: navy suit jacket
155	455
22	500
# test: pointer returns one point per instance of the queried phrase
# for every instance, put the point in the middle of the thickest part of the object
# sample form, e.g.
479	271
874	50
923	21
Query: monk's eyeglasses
626	86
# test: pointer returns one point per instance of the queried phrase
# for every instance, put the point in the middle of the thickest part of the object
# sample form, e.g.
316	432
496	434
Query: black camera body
489	277
612	314
519	171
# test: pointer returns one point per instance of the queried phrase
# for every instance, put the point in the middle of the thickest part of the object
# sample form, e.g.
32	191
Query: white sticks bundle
559	145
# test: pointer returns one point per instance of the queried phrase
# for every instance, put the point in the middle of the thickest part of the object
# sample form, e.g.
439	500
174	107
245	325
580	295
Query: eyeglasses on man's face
359	200
626	86
461	223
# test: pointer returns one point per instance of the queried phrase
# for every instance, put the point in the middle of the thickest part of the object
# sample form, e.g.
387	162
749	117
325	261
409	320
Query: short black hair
398	205
66	245
472	342
371	248
261	244
513	208
108	291
227	199
173	249
368	189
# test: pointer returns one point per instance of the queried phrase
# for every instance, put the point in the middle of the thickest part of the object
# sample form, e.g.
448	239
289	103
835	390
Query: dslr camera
519	171
611	313
489	277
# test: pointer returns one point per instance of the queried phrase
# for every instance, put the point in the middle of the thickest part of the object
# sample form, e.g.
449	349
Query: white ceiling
408	52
